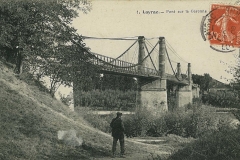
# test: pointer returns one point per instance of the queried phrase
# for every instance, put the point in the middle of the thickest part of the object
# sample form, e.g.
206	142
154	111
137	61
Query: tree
204	81
35	28
39	34
236	81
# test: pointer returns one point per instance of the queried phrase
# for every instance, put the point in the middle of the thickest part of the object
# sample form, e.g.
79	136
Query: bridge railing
111	64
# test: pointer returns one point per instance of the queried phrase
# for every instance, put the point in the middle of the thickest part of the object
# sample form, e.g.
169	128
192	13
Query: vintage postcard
129	79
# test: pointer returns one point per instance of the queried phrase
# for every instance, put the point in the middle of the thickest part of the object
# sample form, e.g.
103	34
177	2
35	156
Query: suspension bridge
157	70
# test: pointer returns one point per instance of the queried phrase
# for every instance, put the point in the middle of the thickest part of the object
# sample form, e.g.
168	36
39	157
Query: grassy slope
30	119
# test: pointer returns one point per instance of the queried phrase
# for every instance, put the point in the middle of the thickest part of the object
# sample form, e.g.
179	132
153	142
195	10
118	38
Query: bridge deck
118	67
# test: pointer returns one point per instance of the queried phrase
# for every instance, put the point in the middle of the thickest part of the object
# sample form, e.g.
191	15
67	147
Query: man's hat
119	113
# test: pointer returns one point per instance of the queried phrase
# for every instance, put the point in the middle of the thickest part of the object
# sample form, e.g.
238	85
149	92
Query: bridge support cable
100	60
134	65
177	57
172	66
150	44
93	56
150	57
124	52
155	50
172	49
135	53
175	53
123	38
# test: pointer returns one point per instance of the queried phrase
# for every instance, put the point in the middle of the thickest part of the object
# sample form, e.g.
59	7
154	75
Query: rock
234	123
70	138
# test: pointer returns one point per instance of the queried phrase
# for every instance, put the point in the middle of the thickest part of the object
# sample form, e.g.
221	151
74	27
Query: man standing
117	133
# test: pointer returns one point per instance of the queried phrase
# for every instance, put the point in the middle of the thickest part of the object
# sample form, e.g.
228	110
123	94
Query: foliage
204	81
107	99
139	123
216	146
171	100
193	121
39	34
222	98
117	82
236	81
101	122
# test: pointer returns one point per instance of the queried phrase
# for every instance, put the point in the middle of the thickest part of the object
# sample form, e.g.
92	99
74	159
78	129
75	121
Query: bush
108	99
216	146
222	98
97	121
138	124
193	122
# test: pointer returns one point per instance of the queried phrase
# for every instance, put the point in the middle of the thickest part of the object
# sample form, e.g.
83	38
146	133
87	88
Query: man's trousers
121	140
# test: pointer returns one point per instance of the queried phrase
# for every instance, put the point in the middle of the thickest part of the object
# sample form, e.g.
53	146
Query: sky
117	19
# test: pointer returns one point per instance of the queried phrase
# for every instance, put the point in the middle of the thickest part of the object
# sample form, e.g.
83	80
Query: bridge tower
184	94
152	93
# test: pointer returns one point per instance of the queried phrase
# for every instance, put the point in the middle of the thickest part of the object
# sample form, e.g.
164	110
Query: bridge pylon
152	93
184	94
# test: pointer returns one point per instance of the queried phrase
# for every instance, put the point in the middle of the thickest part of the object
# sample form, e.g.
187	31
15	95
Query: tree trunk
10	55
19	63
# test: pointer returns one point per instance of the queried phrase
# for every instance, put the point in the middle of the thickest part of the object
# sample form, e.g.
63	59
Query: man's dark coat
117	128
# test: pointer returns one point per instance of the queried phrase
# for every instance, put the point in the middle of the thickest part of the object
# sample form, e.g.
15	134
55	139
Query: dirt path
147	152
134	156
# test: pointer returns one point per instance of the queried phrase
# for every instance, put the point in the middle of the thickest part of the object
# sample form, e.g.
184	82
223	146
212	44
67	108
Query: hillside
30	120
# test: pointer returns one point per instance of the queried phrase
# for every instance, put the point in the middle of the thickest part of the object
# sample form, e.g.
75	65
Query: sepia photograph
119	79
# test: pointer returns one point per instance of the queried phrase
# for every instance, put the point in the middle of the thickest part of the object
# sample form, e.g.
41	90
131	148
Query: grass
217	146
30	119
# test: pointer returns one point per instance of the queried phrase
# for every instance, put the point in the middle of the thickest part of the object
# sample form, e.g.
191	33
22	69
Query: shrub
216	146
236	113
97	121
193	122
172	105
108	99
222	98
139	123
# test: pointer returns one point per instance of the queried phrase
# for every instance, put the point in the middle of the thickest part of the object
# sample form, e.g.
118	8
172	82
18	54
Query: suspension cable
149	43
172	49
135	52
155	50
94	56
127	66
123	38
124	52
177	56
150	58
171	65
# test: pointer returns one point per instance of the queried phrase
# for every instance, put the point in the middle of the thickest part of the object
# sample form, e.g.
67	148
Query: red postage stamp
224	25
